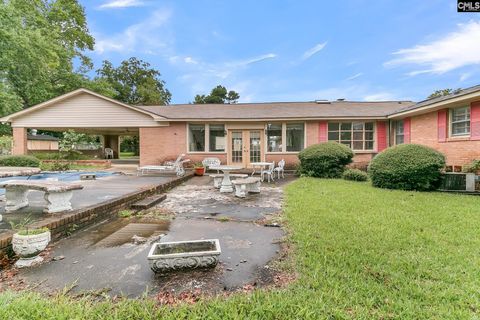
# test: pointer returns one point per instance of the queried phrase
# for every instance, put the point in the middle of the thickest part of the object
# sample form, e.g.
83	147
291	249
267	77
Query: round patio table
260	165
226	182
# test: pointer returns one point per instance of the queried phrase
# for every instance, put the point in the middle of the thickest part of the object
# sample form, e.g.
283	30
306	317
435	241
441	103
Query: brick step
149	202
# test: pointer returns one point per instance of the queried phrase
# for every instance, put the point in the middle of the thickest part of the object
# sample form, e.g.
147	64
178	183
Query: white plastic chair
280	168
108	153
268	171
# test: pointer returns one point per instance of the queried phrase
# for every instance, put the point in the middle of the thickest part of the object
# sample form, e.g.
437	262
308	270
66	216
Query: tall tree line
43	54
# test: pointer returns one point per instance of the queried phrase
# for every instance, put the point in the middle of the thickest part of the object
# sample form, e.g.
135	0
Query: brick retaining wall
62	225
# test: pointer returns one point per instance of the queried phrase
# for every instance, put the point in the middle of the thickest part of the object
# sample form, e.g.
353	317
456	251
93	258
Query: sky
282	50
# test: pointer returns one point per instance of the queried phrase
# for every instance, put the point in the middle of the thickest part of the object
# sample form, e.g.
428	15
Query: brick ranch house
250	132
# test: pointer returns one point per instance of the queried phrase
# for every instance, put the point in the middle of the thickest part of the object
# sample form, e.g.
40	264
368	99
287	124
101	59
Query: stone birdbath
226	185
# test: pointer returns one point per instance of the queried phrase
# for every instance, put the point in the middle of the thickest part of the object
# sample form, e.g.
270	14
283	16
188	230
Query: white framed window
285	137
206	138
460	121
356	135
399	132
295	136
217	139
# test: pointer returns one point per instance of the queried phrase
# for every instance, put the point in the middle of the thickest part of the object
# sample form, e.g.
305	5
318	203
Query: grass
127	155
125	213
360	252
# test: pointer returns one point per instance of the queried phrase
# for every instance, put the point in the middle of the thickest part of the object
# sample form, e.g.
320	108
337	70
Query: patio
111	257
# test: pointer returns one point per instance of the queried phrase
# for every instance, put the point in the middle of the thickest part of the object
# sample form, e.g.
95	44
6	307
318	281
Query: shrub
355	175
325	160
473	167
55	166
19	161
407	167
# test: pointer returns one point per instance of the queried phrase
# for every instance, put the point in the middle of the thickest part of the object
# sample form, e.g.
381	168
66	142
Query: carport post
19	141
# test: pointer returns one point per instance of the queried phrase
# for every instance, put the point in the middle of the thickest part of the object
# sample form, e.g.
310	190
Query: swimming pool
58	176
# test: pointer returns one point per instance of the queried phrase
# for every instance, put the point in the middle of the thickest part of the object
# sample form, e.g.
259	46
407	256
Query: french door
245	147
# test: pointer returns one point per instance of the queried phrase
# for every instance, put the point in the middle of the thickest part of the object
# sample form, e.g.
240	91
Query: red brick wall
159	144
458	151
19	141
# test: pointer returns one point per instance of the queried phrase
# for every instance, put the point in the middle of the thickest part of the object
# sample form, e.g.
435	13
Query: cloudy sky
282	50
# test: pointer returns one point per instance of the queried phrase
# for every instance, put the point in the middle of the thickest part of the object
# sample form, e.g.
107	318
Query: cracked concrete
91	263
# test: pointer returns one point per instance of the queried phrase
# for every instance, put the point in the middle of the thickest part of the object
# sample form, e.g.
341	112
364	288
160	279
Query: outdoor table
226	182
261	165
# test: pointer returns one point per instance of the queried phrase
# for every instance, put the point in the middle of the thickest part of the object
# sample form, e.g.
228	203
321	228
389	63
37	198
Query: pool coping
62	225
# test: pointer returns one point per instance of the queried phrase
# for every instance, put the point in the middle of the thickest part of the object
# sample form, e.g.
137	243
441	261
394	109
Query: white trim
206	137
439	105
374	131
450	123
284	137
73	94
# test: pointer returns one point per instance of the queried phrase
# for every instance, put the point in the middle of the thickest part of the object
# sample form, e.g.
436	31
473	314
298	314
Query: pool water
57	176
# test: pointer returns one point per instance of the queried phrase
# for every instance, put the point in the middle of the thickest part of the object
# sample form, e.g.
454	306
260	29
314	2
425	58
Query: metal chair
211	162
268	171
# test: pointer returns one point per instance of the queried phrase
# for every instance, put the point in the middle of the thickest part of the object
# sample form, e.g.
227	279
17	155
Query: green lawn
127	155
360	253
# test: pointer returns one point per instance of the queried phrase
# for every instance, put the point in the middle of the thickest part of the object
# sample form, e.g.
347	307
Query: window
295	136
356	135
274	137
399	132
285	137
460	121
217	137
196	137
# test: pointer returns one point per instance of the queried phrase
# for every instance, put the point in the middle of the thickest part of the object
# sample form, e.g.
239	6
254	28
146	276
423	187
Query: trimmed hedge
19	161
407	167
355	175
325	160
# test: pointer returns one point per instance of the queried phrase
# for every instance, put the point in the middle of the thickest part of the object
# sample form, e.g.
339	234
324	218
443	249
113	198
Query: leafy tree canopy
218	95
135	82
443	92
39	42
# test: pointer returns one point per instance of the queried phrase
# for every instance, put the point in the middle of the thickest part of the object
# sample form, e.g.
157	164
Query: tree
39	42
135	82
218	95
443	92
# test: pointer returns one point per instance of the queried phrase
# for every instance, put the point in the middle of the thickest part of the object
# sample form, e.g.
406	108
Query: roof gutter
434	105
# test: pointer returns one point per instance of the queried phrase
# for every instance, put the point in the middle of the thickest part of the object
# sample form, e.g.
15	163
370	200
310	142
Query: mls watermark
468	6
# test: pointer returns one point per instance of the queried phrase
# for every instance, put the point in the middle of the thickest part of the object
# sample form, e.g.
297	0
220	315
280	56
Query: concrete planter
27	247
172	256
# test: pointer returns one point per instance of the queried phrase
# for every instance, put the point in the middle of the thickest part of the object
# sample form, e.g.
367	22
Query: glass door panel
255	147
237	147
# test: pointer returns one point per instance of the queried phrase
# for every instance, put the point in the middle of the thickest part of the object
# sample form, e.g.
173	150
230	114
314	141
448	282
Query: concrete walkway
104	256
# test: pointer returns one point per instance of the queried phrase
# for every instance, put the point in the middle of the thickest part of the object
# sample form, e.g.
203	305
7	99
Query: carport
83	111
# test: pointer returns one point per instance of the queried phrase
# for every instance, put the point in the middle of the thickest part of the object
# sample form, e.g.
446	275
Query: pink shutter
475	121
442	125
406	130
381	136
322	131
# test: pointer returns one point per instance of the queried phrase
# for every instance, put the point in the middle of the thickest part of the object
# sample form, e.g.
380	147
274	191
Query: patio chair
108	153
169	167
268	171
211	162
280	169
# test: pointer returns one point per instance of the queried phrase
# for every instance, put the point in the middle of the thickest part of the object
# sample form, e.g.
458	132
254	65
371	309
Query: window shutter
322	131
381	136
442	125
475	120
406	130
